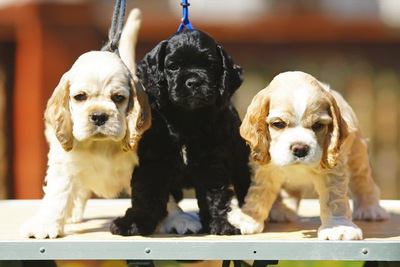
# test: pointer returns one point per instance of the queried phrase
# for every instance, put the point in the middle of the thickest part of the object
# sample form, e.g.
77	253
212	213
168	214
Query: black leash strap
117	23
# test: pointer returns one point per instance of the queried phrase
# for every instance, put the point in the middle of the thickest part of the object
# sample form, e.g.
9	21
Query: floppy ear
254	128
232	76
338	132
151	72
138	116
57	114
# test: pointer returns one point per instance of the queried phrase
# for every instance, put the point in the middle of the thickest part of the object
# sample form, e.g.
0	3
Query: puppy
94	120
194	140
302	132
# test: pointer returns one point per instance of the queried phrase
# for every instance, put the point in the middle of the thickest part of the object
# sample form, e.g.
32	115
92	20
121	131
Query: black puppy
194	139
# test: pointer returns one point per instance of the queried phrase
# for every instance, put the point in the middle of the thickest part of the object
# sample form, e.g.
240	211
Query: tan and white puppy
301	132
94	121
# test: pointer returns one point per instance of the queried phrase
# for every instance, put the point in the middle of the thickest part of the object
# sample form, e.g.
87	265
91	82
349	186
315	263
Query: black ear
151	73
231	76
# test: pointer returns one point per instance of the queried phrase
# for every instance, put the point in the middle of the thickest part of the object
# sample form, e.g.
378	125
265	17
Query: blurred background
353	45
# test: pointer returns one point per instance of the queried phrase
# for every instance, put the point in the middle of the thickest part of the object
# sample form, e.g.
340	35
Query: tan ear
57	114
338	132
138	116
254	128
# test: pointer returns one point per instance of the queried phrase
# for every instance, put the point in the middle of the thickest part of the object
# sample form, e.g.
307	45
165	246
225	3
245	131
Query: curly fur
297	109
86	157
194	140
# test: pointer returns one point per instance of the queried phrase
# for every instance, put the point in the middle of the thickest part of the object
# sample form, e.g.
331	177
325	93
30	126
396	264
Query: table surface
284	241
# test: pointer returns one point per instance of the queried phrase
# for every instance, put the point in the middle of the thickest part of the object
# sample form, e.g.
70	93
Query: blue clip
185	16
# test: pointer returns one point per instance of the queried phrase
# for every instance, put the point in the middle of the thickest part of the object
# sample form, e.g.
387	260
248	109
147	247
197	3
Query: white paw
76	217
244	222
41	229
181	223
339	229
370	213
281	213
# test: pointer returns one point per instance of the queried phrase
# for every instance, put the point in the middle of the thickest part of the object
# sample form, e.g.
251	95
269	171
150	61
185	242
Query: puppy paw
75	218
221	226
281	213
181	223
41	229
370	213
134	223
244	222
121	226
340	230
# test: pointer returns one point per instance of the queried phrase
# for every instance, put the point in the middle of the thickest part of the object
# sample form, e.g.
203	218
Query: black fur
189	80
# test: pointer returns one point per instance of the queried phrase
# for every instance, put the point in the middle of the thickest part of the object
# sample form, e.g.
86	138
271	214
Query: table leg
41	263
264	263
140	263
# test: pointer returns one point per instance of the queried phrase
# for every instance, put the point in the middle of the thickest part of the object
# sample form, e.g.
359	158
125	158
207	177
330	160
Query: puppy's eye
279	124
317	127
80	97
118	98
173	66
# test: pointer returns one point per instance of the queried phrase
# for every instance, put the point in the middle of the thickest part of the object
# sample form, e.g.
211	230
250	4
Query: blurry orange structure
49	36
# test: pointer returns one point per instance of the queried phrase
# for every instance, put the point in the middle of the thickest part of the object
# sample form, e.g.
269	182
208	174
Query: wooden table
284	241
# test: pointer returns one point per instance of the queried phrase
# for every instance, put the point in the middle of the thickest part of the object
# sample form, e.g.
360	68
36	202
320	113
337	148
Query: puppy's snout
98	118
192	83
300	150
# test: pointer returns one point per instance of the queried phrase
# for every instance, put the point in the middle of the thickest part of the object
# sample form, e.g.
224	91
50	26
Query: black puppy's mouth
194	103
195	100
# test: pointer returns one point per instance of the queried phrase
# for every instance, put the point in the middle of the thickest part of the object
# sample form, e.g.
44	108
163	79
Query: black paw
187	232
133	223
221	226
121	226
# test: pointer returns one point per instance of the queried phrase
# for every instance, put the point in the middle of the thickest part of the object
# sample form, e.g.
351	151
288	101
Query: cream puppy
301	132
94	121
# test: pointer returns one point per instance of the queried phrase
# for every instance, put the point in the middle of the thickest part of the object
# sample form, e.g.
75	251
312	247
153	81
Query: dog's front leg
336	221
210	172
150	191
364	191
80	197
214	204
159	164
50	219
263	191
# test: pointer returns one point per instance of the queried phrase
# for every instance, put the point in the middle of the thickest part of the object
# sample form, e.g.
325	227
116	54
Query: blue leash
185	16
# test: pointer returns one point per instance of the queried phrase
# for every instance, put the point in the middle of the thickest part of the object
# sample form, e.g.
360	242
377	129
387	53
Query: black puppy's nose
98	118
300	150
192	83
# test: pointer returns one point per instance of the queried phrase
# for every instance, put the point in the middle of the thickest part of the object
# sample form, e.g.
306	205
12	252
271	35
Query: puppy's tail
129	36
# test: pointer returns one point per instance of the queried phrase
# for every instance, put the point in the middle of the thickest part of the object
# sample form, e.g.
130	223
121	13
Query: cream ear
254	128
138	116
57	114
338	133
